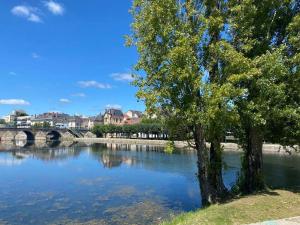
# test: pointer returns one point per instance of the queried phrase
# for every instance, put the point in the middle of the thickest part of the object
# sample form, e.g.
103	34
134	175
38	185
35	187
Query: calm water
110	184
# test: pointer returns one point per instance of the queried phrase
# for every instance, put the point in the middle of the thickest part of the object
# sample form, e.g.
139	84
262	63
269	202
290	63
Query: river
69	183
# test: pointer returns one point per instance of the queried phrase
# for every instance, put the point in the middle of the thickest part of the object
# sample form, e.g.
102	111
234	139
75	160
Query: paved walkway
287	221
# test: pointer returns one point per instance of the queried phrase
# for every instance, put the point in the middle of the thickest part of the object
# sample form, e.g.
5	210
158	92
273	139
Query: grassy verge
276	204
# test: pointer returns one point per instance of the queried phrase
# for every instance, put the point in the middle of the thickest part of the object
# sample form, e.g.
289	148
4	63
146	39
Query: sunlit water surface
65	183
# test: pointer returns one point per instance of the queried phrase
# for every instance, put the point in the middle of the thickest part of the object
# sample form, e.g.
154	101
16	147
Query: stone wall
267	148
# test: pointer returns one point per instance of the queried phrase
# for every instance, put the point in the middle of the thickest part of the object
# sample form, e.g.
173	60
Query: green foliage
169	57
170	147
129	130
42	125
21	113
264	65
261	59
218	64
179	46
2	121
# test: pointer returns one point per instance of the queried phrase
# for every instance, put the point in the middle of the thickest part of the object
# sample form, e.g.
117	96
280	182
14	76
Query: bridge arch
24	135
53	135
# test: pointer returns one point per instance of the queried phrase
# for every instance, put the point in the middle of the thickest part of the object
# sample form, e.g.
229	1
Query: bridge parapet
42	134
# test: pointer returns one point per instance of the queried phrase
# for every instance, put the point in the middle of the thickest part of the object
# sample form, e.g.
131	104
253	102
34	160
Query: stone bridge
46	134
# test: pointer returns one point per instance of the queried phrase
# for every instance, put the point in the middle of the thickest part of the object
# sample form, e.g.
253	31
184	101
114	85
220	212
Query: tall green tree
216	88
212	64
178	46
259	60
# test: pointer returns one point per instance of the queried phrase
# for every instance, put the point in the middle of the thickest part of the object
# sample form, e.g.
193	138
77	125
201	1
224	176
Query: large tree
178	46
211	64
262	61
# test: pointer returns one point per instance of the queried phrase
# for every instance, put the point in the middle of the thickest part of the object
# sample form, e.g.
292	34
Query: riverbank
267	148
273	205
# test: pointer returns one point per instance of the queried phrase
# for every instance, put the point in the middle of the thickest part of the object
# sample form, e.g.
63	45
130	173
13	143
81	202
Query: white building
41	121
23	121
74	122
9	118
134	114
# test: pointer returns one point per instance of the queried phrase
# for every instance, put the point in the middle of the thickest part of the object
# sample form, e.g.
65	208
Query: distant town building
97	120
61	125
40	121
23	121
90	122
134	114
132	117
85	123
113	116
9	118
75	122
19	118
54	119
12	117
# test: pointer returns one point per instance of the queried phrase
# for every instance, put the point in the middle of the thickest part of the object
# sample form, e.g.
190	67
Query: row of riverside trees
212	64
148	129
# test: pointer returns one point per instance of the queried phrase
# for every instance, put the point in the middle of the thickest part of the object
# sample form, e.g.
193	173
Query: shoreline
267	148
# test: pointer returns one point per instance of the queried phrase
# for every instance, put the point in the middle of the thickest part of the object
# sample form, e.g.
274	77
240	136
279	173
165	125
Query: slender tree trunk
216	165
253	161
203	167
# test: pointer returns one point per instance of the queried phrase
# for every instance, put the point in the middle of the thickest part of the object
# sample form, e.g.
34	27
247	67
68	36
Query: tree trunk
215	175
203	167
253	162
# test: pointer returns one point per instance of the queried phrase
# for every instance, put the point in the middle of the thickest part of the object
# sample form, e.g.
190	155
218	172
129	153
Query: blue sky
65	55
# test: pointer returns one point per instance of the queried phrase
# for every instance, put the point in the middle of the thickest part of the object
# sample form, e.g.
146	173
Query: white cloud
26	12
81	95
35	55
21	10
13	102
122	77
34	18
94	84
113	106
64	100
54	7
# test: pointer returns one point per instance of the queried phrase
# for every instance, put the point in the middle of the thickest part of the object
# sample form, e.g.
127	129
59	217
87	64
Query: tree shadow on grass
295	189
231	197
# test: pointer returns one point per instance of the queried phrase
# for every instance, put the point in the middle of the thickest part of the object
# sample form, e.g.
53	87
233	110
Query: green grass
271	205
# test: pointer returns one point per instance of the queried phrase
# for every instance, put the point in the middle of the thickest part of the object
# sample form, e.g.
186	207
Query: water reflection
45	151
23	143
109	157
27	144
75	183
